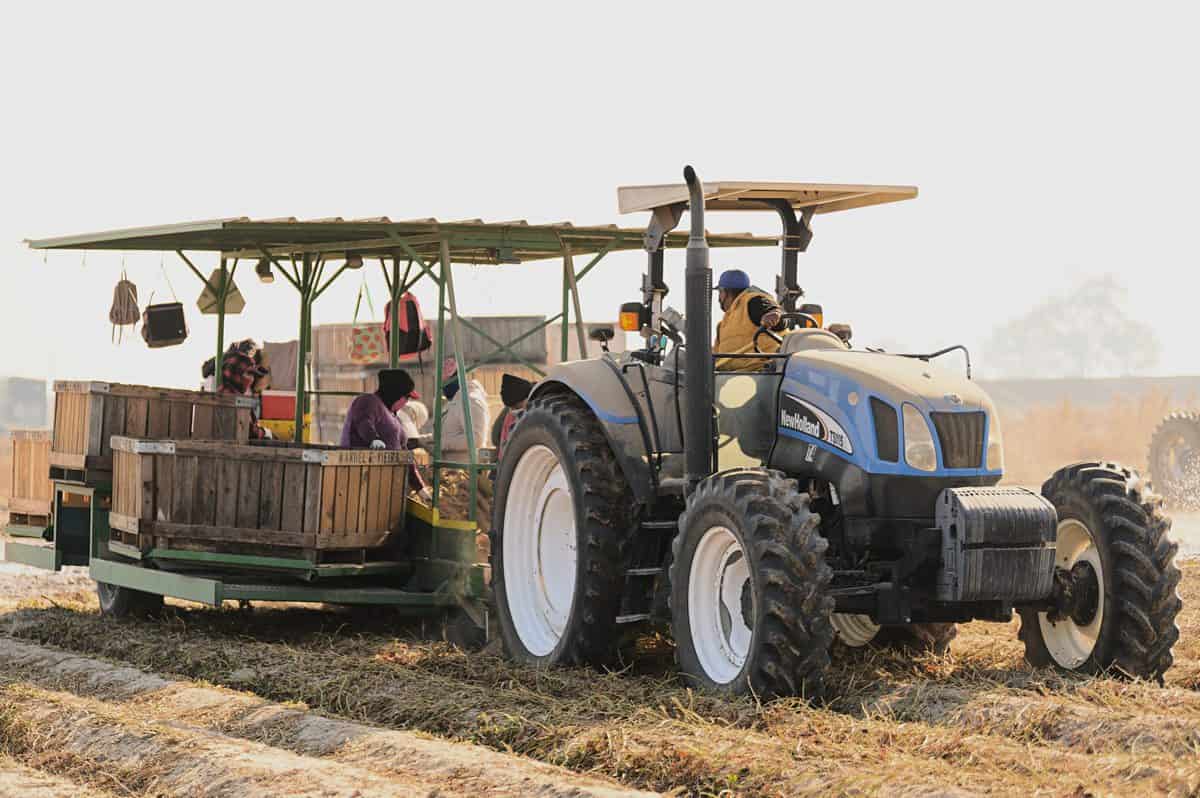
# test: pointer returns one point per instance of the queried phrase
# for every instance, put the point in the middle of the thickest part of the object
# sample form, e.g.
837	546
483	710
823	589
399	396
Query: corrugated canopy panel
749	196
471	241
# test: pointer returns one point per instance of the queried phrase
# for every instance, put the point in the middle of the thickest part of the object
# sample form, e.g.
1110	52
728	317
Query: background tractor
822	492
1175	460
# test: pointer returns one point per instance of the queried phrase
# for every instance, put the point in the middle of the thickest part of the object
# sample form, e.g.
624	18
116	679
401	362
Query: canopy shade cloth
471	241
749	196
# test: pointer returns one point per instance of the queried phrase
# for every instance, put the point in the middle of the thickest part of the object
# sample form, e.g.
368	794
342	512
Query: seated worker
371	421
746	309
454	426
514	392
243	373
412	417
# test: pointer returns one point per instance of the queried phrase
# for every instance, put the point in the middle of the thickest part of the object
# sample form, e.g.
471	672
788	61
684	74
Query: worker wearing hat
746	310
371	421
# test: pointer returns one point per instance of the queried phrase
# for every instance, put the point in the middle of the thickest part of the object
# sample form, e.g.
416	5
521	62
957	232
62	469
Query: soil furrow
462	768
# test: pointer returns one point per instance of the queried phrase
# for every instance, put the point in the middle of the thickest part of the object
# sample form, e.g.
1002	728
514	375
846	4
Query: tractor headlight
918	441
995	449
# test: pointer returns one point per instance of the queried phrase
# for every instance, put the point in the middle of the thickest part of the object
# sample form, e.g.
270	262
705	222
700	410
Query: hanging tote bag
367	342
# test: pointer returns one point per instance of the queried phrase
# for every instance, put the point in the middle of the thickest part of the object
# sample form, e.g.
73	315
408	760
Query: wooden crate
32	489
293	500
88	414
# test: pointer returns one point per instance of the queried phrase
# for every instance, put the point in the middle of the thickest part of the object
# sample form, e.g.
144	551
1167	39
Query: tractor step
634	617
659	526
655	571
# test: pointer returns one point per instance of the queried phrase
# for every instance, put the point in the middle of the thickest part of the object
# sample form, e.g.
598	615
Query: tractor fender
598	384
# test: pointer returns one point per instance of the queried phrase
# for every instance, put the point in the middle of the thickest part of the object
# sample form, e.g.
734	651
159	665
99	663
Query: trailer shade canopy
749	196
470	241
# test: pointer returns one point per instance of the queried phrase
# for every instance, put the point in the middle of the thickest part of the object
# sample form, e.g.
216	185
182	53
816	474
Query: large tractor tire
1116	579
123	602
750	607
1175	460
561	525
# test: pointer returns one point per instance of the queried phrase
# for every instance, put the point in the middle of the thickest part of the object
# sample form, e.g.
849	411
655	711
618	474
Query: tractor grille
961	435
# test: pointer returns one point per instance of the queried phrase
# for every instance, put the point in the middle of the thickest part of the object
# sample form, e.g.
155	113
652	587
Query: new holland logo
801	422
799	416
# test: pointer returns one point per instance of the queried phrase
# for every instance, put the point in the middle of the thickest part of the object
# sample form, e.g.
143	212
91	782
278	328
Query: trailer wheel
749	588
122	602
1115	581
561	525
1175	460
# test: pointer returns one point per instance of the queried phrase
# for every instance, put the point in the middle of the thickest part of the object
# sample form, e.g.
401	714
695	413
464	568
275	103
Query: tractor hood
891	377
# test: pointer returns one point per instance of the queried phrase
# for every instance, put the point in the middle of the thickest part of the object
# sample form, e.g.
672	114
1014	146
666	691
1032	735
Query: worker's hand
771	319
378	444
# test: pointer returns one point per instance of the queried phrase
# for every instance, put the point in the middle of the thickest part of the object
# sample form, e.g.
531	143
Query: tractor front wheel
750	607
1115	578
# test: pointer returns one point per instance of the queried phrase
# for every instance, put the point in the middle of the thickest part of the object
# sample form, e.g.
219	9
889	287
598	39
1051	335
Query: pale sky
1049	142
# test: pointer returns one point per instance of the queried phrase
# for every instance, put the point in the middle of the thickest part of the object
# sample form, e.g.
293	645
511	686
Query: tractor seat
806	340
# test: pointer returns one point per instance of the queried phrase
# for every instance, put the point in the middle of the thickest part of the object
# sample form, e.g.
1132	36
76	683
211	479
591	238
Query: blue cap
734	280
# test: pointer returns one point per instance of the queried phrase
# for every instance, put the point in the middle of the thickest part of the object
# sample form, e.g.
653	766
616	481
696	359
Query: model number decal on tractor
799	416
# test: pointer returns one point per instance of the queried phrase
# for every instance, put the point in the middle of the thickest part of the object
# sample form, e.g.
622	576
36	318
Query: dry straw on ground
976	721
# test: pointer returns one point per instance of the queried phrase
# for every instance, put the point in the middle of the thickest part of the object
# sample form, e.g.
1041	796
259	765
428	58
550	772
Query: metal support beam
306	299
220	293
569	270
472	452
506	347
394	286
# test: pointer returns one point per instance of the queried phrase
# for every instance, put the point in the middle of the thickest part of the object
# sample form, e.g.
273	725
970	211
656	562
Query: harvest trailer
160	492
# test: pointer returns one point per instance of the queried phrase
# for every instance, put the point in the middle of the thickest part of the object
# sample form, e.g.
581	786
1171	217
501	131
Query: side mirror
601	334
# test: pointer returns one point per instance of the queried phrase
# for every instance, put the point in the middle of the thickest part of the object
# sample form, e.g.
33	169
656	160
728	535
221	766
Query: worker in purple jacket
371	421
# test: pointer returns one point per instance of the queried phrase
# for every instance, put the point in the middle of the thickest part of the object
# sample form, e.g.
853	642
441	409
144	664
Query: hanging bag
124	310
164	324
367	342
416	336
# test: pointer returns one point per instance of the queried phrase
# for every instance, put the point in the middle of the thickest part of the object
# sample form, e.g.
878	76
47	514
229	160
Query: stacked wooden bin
32	491
88	414
311	503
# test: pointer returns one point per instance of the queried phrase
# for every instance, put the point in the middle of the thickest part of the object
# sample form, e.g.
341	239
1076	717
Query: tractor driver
746	309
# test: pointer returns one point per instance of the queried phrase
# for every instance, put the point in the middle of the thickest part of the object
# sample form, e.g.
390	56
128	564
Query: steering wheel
801	321
794	321
767	332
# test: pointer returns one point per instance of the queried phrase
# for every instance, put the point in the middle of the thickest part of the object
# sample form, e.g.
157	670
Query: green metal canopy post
306	295
461	371
220	292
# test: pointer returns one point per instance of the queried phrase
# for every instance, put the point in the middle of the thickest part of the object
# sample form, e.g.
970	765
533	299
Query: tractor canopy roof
749	195
471	241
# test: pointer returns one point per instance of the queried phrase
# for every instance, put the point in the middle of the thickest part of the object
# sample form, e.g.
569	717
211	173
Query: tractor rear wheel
1175	460
749	595
121	602
561	525
1115	581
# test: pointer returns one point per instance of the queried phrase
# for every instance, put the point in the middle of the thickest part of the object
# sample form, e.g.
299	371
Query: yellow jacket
735	332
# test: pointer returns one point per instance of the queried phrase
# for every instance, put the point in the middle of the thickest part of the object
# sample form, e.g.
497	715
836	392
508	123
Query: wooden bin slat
212	495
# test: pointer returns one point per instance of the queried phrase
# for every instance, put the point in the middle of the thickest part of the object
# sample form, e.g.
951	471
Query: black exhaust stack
698	328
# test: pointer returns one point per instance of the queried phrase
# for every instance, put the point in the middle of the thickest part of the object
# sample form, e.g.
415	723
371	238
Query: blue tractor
768	501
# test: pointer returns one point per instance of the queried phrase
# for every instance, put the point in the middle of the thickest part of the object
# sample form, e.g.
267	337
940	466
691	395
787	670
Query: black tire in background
122	602
1175	460
604	521
917	638
785	596
1138	600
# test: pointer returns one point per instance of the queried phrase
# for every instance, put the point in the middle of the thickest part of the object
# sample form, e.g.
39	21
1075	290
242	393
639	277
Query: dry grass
976	721
1043	439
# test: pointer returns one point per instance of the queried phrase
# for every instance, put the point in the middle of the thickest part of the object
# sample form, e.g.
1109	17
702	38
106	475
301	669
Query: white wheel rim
1068	643
719	601
854	630
539	550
